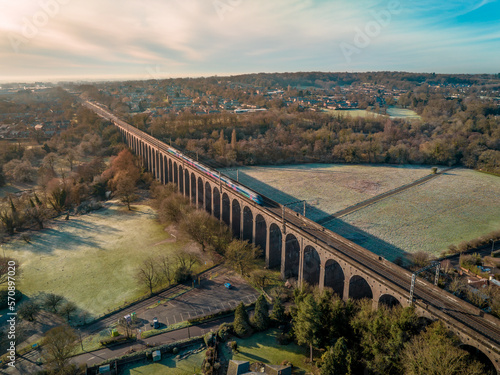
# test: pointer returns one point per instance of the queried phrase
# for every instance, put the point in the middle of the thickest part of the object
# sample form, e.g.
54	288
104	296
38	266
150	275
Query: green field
263	347
392	112
169	365
459	205
92	259
327	188
395	112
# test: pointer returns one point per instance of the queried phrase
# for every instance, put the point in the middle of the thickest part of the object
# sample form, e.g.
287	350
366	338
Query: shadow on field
346	230
70	239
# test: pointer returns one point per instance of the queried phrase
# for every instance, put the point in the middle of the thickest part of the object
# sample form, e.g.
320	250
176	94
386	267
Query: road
210	297
101	355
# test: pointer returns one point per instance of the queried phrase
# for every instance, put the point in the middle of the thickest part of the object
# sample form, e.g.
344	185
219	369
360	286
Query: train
229	183
214	174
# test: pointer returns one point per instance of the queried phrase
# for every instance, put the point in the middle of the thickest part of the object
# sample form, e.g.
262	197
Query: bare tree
240	255
125	187
164	269
67	309
147	274
51	301
58	345
125	326
29	310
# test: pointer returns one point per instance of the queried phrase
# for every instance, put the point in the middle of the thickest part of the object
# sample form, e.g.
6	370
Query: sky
43	40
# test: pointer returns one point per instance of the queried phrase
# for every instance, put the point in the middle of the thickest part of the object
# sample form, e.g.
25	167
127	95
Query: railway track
440	300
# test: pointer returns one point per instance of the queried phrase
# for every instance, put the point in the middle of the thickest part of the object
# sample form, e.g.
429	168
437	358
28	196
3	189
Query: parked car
156	324
228	285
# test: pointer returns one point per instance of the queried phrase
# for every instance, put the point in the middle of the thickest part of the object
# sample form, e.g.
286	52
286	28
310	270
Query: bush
224	331
233	345
175	350
113	340
182	274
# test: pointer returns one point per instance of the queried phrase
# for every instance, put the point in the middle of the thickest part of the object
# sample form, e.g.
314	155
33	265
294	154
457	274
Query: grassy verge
169	365
263	347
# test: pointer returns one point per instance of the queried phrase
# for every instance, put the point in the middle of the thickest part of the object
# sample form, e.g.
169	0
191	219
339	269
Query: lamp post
80	335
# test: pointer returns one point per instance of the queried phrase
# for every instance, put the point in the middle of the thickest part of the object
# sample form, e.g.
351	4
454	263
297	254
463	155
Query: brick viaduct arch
298	254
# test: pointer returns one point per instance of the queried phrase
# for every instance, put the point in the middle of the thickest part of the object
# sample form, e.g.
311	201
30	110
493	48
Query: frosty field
459	205
91	260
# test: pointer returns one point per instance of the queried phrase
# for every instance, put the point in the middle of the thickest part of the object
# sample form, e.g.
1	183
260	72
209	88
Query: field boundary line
382	196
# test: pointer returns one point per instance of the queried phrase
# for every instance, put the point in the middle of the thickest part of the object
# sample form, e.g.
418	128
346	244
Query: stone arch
261	233
181	179
236	218
311	266
162	169
226	209
216	207
334	277
187	189
275	246
208	198
359	288
170	171
165	165
200	193
157	164
193	189
388	300
480	356
292	257
154	165
247	224
176	174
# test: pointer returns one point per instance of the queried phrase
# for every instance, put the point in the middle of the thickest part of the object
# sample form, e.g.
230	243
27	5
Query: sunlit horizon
47	40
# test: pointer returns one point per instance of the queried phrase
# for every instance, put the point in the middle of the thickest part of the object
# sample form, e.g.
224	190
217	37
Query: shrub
233	345
113	340
224	330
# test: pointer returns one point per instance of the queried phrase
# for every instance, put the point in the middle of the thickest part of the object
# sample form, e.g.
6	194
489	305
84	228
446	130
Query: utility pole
415	274
492	246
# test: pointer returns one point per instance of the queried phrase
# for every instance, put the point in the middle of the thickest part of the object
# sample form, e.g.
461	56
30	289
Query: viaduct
306	251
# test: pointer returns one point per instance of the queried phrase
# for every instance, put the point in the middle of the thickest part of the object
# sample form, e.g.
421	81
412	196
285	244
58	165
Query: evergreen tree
278	313
307	323
261	315
241	324
337	360
383	334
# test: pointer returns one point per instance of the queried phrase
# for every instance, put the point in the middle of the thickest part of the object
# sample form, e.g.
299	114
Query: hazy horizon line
139	77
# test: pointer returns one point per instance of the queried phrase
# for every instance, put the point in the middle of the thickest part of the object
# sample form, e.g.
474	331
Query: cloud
187	37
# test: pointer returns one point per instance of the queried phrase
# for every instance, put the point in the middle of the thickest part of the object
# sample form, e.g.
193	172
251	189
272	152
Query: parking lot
208	298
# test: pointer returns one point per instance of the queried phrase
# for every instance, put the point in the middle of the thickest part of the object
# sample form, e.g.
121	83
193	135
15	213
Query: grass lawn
327	188
263	347
460	205
92	259
188	366
392	112
457	206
